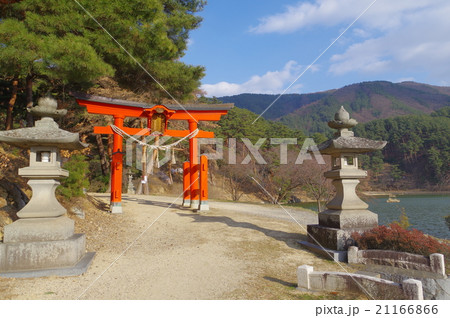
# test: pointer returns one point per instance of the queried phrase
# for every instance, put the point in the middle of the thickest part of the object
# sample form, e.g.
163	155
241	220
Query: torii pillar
186	184
194	171
117	168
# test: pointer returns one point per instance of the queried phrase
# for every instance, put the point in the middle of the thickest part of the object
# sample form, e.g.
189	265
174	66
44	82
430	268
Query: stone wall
399	266
433	264
374	288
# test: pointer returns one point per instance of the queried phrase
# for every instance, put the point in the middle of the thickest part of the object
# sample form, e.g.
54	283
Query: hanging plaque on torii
157	117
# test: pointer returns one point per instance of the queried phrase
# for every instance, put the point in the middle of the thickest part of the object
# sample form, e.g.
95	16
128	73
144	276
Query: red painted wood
203	178
186	181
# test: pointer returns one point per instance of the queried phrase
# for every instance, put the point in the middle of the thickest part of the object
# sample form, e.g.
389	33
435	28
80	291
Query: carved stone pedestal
37	247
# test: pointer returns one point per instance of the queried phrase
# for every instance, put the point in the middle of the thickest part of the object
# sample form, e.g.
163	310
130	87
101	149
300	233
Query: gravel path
158	250
287	213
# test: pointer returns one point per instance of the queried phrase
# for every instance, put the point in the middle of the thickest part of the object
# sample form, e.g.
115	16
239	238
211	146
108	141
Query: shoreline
403	192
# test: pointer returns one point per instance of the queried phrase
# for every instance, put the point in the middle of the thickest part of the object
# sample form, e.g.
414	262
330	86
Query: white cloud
272	82
307	14
361	33
405	79
411	36
420	44
384	14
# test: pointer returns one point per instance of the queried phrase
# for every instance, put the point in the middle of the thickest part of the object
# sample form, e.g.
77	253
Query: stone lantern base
348	219
339	238
332	236
36	247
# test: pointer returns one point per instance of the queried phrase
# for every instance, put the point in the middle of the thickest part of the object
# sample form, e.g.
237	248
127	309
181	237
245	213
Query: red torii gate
120	109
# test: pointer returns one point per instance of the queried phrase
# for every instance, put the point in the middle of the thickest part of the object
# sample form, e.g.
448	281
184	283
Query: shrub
97	181
73	185
403	221
396	238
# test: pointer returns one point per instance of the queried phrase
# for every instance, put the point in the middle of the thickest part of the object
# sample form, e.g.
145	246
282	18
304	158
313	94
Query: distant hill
287	103
365	101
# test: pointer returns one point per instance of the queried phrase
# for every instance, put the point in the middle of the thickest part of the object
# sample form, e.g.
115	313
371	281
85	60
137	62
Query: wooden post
193	158
186	184
143	184
204	206
116	169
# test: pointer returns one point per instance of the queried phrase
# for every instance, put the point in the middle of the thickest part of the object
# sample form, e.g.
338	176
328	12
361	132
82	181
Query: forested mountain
365	101
287	103
417	154
418	145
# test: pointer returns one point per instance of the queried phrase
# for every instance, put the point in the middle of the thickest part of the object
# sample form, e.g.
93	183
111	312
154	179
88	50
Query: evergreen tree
417	144
49	43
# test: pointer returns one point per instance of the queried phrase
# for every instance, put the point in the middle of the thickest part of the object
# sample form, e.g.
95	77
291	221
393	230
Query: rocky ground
157	250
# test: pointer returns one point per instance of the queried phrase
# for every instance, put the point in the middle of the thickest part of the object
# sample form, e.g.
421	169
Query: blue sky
250	46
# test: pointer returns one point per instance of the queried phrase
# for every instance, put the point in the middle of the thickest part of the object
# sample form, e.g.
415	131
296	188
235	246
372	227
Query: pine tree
49	43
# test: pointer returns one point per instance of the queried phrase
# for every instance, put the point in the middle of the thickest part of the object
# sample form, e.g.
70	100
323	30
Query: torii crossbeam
157	115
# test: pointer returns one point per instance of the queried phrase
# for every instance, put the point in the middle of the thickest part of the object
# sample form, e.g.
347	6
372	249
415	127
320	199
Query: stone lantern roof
350	144
344	140
46	131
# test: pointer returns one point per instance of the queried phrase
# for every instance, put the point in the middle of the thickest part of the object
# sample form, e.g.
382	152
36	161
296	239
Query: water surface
425	212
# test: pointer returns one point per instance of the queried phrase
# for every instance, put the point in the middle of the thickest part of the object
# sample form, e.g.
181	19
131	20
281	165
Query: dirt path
233	251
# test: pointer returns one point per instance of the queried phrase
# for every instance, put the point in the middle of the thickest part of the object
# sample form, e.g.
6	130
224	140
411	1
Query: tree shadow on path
162	204
280	281
289	238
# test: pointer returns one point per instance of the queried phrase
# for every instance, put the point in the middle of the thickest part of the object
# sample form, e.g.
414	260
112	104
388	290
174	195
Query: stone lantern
42	241
131	189
346	212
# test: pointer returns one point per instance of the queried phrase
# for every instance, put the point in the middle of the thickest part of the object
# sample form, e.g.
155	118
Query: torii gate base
201	205
116	208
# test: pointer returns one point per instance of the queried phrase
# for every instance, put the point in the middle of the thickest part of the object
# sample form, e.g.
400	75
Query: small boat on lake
392	199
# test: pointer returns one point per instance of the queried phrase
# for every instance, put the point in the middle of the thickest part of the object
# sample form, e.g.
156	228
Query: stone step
338	256
367	273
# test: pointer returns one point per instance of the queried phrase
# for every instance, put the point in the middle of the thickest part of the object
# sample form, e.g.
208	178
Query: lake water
425	212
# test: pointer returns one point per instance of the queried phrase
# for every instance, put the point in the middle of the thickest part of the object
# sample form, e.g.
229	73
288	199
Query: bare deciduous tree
314	183
276	180
237	180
